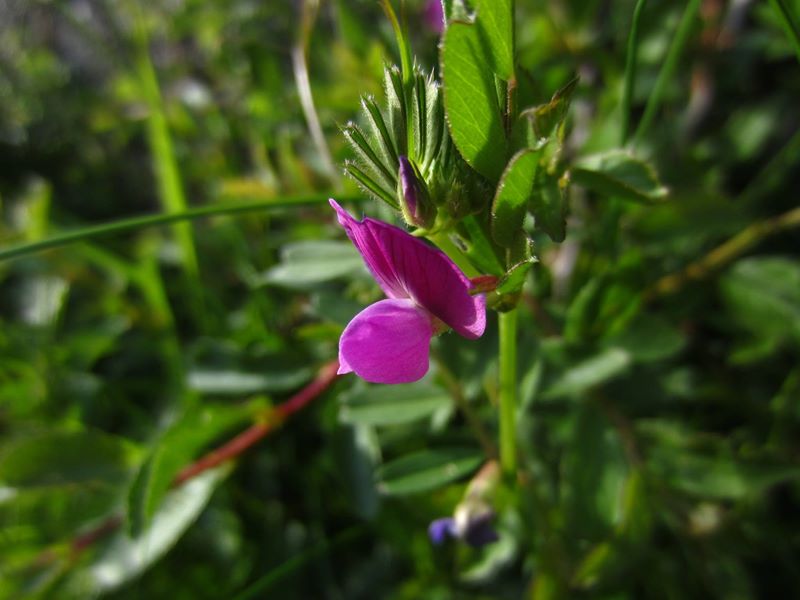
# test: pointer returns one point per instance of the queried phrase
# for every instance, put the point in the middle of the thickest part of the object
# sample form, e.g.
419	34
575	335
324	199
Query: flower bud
415	202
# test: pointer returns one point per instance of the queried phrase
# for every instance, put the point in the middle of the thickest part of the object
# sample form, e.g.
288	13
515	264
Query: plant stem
724	253
474	422
669	67
300	69
134	223
508	392
273	418
630	69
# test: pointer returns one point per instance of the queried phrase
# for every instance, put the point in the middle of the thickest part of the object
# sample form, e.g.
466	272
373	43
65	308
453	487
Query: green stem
303	82
630	69
724	253
668	69
508	392
134	223
457	393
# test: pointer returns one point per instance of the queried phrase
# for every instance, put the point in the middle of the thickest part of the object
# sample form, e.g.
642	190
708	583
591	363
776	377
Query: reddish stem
256	432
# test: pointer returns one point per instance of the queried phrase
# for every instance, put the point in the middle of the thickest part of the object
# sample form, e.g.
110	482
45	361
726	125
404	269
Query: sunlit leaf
494	18
513	194
470	100
304	264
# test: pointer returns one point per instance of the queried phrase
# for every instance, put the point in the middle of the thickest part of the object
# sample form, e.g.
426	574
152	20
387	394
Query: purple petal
363	237
408	185
480	531
387	342
440	529
406	267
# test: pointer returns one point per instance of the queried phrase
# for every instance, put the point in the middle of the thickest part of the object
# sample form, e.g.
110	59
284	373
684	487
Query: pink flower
389	341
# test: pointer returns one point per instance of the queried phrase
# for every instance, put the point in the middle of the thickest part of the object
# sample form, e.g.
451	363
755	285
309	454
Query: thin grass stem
630	70
669	68
135	223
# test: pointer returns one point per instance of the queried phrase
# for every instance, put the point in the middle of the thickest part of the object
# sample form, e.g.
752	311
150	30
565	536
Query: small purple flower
389	341
474	529
472	520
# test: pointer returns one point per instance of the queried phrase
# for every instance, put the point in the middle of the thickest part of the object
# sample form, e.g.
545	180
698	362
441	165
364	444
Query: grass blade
669	67
134	223
630	69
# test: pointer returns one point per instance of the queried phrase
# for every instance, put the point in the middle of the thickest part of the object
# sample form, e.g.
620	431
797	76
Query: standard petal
407	267
387	342
372	249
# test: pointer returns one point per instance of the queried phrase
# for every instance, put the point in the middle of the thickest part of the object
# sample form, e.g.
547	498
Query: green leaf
618	174
67	459
123	558
648	338
495	22
392	404
706	466
176	448
590	373
308	263
547	117
470	100
595	471
427	470
514	192
53	483
763	296
514	279
548	205
479	250
239	383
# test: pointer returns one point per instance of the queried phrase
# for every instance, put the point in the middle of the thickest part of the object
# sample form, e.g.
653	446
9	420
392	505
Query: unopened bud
413	195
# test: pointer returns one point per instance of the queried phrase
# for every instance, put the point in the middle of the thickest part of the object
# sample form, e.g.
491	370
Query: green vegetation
173	285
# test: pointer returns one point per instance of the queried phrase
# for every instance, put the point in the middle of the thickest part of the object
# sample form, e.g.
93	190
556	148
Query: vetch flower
474	529
472	520
389	341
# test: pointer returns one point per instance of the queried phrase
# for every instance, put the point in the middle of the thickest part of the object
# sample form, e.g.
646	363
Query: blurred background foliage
659	376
